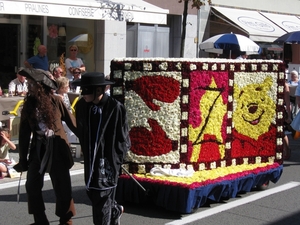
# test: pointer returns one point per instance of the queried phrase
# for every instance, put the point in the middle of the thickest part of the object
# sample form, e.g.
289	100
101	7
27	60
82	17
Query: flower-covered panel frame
187	112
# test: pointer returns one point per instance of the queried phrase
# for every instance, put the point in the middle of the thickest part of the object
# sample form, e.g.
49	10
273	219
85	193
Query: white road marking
218	209
195	216
47	177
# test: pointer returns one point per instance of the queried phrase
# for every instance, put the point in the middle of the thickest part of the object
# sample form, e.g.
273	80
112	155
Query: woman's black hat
39	75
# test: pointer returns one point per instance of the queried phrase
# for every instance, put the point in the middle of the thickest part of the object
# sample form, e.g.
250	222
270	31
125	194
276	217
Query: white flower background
168	117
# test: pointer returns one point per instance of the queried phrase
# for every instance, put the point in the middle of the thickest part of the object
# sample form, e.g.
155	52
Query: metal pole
138	183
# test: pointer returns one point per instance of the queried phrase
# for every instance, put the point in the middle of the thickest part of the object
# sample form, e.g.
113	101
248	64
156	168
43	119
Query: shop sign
34	8
256	24
83	10
1	6
291	26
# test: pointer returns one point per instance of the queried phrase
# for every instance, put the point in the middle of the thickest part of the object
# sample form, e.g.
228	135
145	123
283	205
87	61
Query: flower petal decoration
222	118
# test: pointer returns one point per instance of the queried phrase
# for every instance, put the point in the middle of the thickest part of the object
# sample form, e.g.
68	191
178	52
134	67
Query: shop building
113	29
261	21
125	28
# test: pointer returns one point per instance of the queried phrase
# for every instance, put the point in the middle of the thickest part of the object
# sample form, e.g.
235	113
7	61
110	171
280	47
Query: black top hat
92	79
89	81
39	75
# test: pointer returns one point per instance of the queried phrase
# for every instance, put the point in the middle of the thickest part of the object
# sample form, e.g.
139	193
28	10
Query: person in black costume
48	148
104	139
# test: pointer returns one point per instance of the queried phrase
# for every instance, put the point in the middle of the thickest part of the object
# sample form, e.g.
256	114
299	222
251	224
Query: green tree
195	4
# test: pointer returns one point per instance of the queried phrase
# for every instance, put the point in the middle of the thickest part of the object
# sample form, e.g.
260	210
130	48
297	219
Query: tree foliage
195	4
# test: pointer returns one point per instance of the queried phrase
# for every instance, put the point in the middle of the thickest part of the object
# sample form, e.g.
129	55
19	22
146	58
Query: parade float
200	129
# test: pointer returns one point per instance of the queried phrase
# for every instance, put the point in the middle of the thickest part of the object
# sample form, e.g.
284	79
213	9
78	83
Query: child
62	91
5	145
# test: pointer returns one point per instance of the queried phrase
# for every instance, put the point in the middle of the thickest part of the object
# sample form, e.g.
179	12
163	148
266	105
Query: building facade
58	24
124	28
261	21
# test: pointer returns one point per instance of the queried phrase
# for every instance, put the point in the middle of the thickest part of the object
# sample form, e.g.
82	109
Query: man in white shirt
18	84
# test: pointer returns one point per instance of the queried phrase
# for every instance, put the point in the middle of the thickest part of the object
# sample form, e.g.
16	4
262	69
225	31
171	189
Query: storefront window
10	16
56	41
61	32
35	34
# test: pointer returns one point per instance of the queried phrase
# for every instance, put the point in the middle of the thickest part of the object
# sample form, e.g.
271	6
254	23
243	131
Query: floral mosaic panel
202	113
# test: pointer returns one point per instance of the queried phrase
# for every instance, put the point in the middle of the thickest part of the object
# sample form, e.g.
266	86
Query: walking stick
18	195
138	183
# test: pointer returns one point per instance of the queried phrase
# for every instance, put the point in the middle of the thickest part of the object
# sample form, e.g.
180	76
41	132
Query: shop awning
137	11
286	22
259	28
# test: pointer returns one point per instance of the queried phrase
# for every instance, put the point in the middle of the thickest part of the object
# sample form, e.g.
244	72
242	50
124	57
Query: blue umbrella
231	42
289	38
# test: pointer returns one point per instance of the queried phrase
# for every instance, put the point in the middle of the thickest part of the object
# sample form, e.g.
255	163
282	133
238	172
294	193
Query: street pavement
78	165
278	205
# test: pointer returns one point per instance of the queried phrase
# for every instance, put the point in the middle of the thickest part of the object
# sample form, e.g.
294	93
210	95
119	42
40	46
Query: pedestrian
48	149
73	62
107	88
104	139
294	78
242	56
76	76
5	145
39	61
57	72
18	86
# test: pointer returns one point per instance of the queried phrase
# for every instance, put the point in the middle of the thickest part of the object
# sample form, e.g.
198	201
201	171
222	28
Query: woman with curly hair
49	150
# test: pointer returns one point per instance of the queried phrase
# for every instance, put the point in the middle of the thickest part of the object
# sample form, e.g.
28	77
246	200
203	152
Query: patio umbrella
80	40
231	42
289	38
80	37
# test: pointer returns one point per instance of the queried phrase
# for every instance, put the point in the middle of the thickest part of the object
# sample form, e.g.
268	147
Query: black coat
61	148
114	142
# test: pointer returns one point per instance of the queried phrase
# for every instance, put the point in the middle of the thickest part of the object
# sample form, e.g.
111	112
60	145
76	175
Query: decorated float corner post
200	129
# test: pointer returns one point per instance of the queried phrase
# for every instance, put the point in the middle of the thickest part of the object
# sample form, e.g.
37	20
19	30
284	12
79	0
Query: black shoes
117	212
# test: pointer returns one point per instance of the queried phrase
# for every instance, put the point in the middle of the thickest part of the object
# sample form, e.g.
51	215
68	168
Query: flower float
221	117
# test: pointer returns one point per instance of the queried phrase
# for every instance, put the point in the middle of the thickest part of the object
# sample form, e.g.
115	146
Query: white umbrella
80	40
80	37
231	42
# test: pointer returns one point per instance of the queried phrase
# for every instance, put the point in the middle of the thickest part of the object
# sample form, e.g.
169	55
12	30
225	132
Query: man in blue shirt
39	61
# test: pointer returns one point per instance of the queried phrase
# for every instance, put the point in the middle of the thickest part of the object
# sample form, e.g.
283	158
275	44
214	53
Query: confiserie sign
84	10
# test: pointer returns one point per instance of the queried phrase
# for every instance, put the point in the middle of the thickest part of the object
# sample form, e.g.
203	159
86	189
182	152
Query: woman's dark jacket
61	148
114	142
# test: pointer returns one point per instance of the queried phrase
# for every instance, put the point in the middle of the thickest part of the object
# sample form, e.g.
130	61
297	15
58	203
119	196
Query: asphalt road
278	205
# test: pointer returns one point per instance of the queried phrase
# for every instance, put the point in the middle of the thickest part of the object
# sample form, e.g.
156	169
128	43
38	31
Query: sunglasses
73	50
77	73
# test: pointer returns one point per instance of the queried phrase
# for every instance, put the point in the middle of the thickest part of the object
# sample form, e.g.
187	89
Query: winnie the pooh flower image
253	130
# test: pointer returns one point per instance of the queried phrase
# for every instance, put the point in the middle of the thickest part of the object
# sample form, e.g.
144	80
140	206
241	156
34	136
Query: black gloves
21	166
